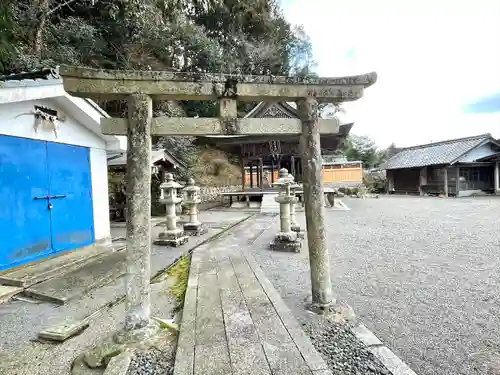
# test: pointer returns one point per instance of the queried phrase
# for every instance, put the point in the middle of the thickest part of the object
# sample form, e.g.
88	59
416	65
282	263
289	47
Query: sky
438	63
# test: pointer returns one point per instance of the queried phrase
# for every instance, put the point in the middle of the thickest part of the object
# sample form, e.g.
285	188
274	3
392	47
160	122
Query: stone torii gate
139	88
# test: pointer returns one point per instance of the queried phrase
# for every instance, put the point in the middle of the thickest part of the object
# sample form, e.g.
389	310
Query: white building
53	170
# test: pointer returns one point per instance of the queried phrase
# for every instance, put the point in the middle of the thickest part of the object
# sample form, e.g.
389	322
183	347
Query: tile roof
120	159
40	77
434	153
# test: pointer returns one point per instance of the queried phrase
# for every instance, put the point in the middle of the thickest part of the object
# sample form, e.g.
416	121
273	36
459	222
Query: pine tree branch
68	2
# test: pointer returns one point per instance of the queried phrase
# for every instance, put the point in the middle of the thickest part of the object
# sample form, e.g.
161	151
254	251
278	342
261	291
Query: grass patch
181	273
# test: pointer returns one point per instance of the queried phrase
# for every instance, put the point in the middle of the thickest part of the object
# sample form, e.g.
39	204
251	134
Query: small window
46	111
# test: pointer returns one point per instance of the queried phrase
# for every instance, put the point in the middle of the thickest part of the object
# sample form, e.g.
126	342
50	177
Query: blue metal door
24	219
45	199
70	196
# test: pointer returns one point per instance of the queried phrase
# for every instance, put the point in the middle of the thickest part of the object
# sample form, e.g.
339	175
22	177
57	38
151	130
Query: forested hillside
246	36
231	36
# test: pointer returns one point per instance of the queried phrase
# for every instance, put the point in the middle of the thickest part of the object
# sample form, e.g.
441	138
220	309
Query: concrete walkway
21	321
234	321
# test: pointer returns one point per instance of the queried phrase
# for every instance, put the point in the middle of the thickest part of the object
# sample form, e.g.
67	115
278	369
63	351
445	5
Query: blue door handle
51	197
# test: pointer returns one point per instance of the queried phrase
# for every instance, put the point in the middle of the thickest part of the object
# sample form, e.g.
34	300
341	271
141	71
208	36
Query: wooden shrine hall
264	155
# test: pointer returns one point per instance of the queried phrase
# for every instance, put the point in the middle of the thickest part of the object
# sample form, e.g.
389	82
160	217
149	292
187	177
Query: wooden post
138	178
292	167
261	177
243	173
457	188
445	181
390	181
496	176
257	176
422	180
272	171
250	165
319	257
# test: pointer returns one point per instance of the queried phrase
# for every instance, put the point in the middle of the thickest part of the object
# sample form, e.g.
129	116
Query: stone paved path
234	321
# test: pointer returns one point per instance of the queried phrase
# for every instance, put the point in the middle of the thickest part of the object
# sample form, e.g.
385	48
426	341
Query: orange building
268	153
342	171
336	171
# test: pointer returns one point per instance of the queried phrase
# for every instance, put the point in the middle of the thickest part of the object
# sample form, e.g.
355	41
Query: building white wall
99	170
477	153
70	132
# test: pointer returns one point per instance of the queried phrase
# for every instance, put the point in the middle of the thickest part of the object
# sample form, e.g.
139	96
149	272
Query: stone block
102	354
63	331
195	229
119	365
173	238
393	363
287	242
239	204
296	228
254	204
365	335
7	292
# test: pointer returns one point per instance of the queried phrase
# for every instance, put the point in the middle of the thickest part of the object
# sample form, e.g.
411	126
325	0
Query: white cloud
431	56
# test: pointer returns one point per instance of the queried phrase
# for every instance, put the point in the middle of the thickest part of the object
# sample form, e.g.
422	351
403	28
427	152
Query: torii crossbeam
141	87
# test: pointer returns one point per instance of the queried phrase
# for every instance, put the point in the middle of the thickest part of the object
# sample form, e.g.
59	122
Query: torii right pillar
319	258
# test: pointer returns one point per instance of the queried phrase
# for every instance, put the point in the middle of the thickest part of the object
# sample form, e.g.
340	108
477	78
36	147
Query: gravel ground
343	352
152	362
421	273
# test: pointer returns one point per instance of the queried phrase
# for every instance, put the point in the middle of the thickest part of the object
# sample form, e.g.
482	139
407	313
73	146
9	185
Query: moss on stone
181	273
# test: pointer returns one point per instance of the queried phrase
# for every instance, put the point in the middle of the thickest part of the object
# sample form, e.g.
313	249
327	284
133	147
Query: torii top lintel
87	82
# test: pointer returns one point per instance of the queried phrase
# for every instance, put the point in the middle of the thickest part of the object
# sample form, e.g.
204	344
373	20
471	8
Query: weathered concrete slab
7	292
212	359
209	321
67	328
285	359
31	274
80	281
249	359
238	314
63	331
393	363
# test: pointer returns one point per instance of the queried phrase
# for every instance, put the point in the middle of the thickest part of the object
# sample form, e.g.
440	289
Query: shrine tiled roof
120	158
439	153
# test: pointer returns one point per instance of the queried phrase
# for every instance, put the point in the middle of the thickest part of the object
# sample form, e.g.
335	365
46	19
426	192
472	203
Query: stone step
7	292
76	283
46	269
269	205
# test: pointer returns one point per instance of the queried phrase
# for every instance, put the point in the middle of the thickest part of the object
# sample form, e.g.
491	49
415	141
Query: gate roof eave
206	86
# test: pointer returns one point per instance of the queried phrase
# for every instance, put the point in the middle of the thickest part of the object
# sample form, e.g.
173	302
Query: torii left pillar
138	179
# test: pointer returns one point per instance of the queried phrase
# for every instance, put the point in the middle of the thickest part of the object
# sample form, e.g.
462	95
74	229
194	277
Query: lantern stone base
172	238
296	229
286	241
195	229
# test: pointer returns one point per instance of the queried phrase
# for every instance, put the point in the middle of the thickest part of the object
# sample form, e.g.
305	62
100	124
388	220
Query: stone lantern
191	200
285	239
172	236
293	203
